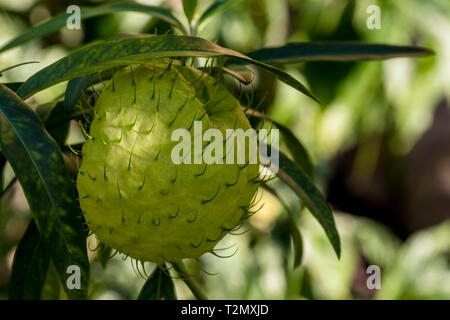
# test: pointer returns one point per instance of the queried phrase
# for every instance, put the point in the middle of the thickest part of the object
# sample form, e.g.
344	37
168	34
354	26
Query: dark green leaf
298	151
307	285
74	91
103	55
299	182
57	124
40	168
30	266
14	86
335	51
189	7
55	120
75	87
158	286
217	7
44	110
104	254
295	231
58	22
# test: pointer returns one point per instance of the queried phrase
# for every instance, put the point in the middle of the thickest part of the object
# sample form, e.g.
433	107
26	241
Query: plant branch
190	282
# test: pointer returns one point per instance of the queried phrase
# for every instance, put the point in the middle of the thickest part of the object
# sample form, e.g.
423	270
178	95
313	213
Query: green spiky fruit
134	197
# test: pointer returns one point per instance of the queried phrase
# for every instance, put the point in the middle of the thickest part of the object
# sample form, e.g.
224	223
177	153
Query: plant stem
191	283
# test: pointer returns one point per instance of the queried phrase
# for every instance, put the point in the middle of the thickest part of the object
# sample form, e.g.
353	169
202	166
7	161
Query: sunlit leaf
103	55
216	7
40	168
189	7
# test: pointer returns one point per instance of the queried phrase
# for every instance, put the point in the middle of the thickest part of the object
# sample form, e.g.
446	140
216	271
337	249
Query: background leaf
58	22
189	7
298	151
158	286
113	53
299	182
14	86
295	231
30	266
39	166
55	120
335	51
217	7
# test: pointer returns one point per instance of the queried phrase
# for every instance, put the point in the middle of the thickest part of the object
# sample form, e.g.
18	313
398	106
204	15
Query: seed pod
136	199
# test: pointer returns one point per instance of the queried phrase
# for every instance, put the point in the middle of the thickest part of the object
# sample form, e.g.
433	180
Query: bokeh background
380	144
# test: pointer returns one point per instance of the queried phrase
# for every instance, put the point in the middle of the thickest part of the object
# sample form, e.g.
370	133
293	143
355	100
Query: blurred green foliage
391	100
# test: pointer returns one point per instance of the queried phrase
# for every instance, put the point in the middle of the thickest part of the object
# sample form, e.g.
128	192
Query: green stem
193	33
191	283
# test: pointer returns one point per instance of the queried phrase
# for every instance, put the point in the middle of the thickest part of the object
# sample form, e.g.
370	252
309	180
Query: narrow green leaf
30	266
103	55
295	231
52	286
40	168
299	182
217	7
335	51
158	286
75	87
57	124
74	91
189	7
16	65
59	21
104	254
298	151
240	73
55	120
